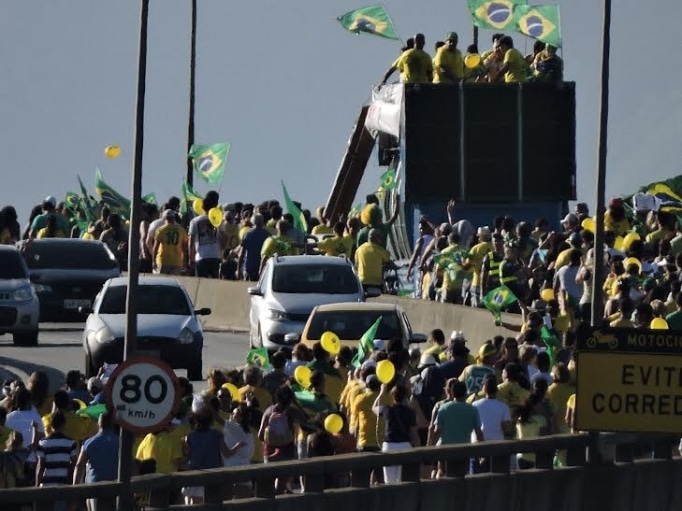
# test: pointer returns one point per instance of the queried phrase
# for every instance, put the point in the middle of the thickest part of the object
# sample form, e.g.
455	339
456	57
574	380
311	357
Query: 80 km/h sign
143	393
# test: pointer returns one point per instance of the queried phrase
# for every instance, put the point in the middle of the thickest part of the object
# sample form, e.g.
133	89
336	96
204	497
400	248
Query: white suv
290	287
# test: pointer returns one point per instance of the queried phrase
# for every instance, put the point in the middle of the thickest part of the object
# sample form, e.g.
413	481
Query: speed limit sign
143	392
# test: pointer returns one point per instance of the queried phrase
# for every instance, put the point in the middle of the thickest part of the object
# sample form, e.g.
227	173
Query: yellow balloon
629	238
233	390
112	151
618	243
333	423
385	371
302	375
331	343
658	324
472	60
547	294
630	261
589	225
198	206
215	216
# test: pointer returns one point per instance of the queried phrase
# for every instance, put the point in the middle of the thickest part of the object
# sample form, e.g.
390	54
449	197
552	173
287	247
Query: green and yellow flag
209	161
494	14
497	300
150	198
87	203
541	22
388	180
299	218
71	201
258	357
366	344
116	202
372	19
189	195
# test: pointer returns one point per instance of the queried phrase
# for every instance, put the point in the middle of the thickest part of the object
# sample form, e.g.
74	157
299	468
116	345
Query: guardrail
219	483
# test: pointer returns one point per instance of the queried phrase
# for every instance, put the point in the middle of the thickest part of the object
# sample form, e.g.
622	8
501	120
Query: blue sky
284	83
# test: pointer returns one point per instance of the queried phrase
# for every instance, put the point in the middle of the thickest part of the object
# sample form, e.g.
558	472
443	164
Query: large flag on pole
494	14
541	22
372	19
209	161
299	218
116	202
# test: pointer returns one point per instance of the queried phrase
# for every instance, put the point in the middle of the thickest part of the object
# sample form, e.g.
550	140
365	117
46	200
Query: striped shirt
56	451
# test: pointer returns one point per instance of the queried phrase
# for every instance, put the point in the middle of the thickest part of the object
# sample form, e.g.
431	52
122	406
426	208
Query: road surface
60	349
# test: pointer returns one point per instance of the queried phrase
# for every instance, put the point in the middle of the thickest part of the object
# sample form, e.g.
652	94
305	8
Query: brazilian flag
541	22
88	204
497	300
388	180
150	198
494	14
209	161
258	357
71	201
116	202
372	19
299	218
189	195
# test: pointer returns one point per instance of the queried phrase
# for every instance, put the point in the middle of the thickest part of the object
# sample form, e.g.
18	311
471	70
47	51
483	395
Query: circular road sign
143	393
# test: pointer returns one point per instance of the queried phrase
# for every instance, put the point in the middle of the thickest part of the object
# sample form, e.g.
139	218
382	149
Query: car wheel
25	338
195	370
89	367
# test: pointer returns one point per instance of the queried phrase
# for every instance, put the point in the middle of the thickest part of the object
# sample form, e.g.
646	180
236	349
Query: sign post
629	380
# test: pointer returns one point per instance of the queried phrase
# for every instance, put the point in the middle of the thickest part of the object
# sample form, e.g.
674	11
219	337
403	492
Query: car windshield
351	324
10	265
69	256
151	299
309	278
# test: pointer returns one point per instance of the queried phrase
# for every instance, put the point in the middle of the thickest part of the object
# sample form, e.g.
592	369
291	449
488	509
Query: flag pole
192	88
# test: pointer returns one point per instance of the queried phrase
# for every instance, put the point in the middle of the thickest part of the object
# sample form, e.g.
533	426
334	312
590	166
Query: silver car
288	290
168	327
19	305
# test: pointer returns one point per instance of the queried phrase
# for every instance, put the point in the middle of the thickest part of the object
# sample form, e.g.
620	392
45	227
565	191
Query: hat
615	202
169	213
570	219
483	232
457	335
452	36
427	360
379	344
486	350
51	199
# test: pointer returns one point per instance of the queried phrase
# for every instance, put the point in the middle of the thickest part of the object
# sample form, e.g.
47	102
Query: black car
67	274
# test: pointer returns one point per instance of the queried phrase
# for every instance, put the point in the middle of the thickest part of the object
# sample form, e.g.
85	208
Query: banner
385	110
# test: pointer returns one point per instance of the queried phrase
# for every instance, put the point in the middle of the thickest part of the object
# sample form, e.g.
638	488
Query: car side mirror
417	338
255	291
85	310
202	312
292	338
373	292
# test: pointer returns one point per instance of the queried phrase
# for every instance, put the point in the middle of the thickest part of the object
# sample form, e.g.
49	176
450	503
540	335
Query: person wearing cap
448	64
475	262
415	64
490	267
458	337
473	374
49	207
570	223
155	224
615	218
170	246
370	259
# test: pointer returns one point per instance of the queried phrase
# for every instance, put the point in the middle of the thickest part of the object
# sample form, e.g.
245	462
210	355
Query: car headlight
41	288
23	293
104	335
186	336
277	315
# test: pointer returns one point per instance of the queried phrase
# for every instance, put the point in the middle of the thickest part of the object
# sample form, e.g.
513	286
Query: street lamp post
192	73
125	457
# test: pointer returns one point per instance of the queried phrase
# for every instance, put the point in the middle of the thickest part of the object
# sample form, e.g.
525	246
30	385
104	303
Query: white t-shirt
153	227
206	238
234	433
21	420
493	413
566	276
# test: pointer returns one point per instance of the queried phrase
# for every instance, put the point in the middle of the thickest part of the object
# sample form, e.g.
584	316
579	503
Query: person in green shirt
674	319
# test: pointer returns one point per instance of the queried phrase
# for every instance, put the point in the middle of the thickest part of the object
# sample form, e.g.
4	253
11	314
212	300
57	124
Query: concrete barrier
230	303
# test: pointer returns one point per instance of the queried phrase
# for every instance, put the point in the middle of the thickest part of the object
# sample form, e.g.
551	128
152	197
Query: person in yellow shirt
475	262
514	67
448	64
452	272
370	258
339	244
76	427
615	218
165	447
170	245
280	244
415	64
408	46
323	227
626	307
51	230
230	238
